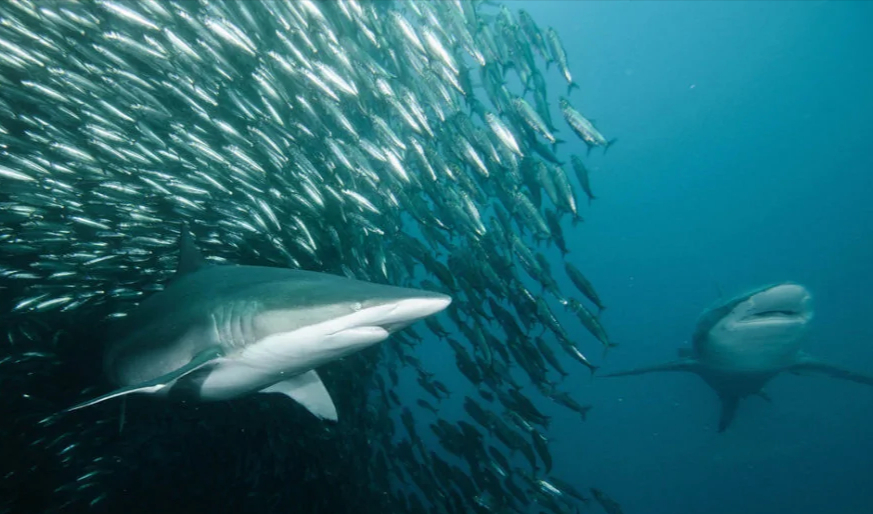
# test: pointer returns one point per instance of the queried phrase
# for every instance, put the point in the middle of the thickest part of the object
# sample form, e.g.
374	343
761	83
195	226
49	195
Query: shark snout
410	310
786	302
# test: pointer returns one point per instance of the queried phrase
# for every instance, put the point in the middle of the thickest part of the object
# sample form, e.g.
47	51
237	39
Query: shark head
294	321
296	299
741	344
756	332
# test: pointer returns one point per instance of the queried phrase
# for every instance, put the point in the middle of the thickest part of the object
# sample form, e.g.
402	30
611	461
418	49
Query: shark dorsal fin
719	290
190	259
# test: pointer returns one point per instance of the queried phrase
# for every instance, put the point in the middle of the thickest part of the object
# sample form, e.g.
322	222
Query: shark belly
285	355
760	352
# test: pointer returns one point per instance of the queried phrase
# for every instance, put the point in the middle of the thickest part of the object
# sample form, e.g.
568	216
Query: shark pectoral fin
680	365
764	396
308	390
139	388
808	364
728	411
152	386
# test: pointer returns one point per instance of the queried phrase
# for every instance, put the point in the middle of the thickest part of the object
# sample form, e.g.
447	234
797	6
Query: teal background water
743	158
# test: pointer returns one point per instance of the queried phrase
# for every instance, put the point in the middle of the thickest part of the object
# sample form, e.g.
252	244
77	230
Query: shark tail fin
728	411
764	396
679	365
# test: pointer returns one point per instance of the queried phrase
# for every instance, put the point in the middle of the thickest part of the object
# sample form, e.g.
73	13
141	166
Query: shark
221	331
741	344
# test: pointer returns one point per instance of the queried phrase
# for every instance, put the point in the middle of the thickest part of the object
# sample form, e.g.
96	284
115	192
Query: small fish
582	176
556	47
584	128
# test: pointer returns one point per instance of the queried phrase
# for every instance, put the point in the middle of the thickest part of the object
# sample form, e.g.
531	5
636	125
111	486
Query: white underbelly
233	378
755	354
282	356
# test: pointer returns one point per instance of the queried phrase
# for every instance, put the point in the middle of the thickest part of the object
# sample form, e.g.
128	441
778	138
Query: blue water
743	158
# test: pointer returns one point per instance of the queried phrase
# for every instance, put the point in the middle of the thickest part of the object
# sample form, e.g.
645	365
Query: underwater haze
716	148
743	159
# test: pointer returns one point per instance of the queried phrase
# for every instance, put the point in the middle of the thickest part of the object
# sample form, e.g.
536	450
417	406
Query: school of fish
407	143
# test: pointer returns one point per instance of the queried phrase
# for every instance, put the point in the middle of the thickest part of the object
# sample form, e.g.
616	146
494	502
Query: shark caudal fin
689	365
808	365
729	406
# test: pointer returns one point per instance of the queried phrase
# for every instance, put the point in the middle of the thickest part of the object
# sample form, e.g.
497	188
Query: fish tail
607	347
593	369
608	144
506	66
571	86
527	86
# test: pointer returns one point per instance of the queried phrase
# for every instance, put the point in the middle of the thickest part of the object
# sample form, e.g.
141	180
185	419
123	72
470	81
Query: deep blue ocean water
743	158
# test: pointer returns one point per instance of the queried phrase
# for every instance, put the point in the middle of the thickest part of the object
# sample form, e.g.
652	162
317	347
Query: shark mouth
781	304
775	316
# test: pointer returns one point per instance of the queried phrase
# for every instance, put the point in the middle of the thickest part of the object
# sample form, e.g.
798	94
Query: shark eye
357	306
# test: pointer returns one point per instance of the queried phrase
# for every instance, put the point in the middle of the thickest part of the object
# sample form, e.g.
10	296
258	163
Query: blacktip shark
741	344
221	331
